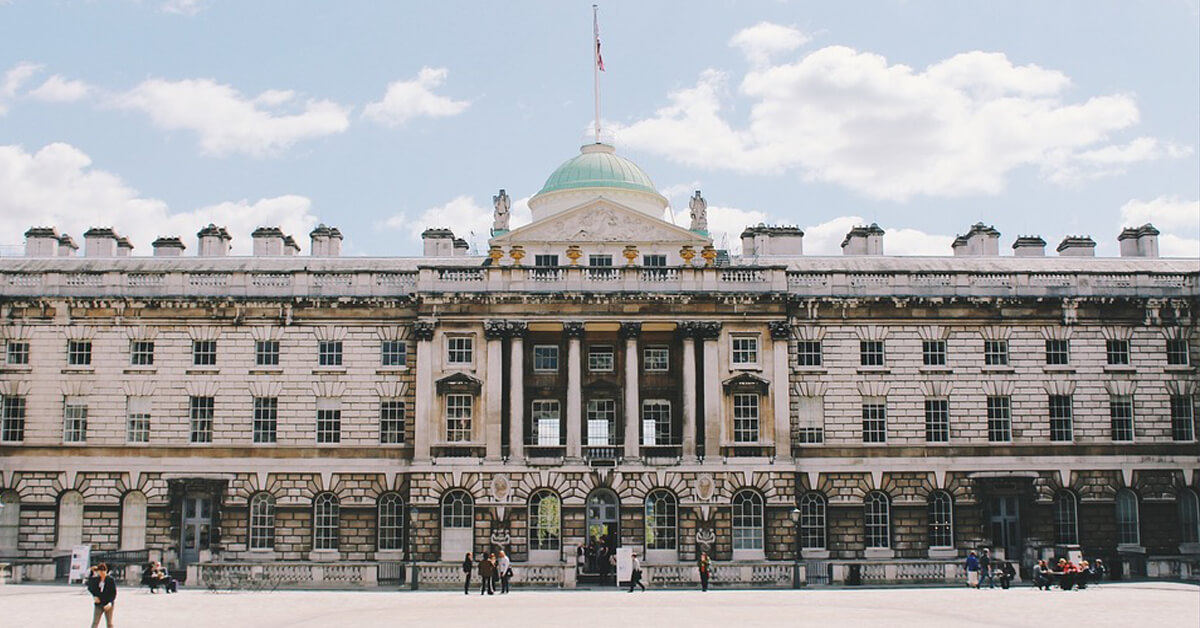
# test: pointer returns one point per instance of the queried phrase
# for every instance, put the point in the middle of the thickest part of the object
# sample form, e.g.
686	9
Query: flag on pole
596	28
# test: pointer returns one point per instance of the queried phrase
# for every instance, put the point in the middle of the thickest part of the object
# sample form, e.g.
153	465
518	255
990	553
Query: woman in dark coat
104	594
467	565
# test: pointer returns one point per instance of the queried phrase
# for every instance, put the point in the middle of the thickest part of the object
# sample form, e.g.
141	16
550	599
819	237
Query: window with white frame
204	352
266	353
75	415
458	510
12	419
391	522
656	359
79	353
1120	410
937	421
1066	518
810	420
601	422
1117	352
137	420
545	358
941	519
460	350
748	520
458	418
391	422
870	353
1189	515
995	352
600	359
656	422
329	353
999	419
808	353
744	350
16	353
874	421
326	515
266	419
546	422
141	352
933	352
662	518
1061	418
877	518
745	418
1177	352
1183	423
262	522
1128	528
329	420
812	521
393	353
545	521
200	419
1058	352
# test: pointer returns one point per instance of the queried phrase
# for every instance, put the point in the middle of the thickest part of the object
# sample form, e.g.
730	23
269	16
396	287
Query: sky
158	117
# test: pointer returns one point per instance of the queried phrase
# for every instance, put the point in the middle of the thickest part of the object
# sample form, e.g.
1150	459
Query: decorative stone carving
709	254
687	252
501	214
495	329
517	329
710	330
705	487
603	224
574	253
496	254
501	537
500	487
705	539
630	253
780	330
688	329
573	329
630	330
517	252
699	209
423	330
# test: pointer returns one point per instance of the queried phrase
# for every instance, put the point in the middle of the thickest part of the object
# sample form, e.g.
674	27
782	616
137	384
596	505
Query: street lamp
412	555
795	515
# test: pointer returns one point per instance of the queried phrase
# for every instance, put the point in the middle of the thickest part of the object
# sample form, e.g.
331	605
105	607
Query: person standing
104	594
504	568
467	565
635	580
487	573
972	570
985	570
704	564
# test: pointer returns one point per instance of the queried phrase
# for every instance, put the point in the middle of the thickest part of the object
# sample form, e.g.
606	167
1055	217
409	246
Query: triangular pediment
459	382
600	221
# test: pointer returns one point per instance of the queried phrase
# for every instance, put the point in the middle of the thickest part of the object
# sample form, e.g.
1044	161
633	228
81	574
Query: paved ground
1160	605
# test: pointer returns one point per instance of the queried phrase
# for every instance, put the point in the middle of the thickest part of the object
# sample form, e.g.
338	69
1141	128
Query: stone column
633	402
688	330
714	422
781	389
574	332
516	392
424	421
493	386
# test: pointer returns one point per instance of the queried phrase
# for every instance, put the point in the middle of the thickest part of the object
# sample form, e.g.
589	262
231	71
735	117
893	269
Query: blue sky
382	118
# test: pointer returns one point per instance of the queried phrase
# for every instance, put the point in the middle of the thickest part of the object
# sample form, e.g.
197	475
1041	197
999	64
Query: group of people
1067	574
595	558
155	576
490	570
983	568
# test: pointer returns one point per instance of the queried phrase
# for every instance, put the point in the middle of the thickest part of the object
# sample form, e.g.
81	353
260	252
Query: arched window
1066	518
1127	518
325	522
133	521
262	522
1189	516
70	520
877	518
941	519
747	521
458	510
812	521
391	522
10	521
662	518
545	521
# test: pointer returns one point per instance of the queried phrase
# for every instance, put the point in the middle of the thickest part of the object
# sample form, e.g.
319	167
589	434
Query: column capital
631	330
709	330
780	330
517	329
495	329
688	329
423	330
573	329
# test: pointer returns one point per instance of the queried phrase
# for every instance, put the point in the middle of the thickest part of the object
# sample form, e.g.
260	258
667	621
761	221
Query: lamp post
412	554
795	515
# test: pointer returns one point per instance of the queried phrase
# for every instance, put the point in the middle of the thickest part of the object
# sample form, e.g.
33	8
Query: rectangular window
1118	351
460	350
999	414
266	419
602	261
393	353
137	420
391	422
656	422
745	418
656	359
79	353
545	260
1177	352
1058	352
200	424
810	420
654	261
1183	424
1061	417
546	422
329	420
17	353
75	414
141	353
808	353
745	350
545	358
933	352
458	418
204	352
600	359
12	421
995	352
1120	410
874	423
266	353
329	353
937	421
870	352
601	422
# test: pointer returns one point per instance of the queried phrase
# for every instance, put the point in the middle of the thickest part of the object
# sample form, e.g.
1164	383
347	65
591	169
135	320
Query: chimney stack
124	247
289	246
214	241
99	242
267	241
439	242
1139	241
981	240
461	247
168	247
863	240
764	239
67	246
1029	246
1077	246
326	241
41	242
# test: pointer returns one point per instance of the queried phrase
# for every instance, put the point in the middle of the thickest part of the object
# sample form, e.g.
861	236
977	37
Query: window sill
260	556
1178	368
812	370
140	370
1119	368
385	370
203	371
78	369
1130	549
389	555
879	552
746	367
883	370
814	554
329	370
935	369
325	556
266	371
997	369
1058	368
15	368
942	553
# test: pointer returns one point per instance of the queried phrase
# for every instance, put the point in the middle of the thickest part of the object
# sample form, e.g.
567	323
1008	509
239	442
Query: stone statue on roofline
699	208
501	214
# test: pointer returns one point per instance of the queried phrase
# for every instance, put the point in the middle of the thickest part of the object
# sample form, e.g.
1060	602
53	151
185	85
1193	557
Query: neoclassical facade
602	376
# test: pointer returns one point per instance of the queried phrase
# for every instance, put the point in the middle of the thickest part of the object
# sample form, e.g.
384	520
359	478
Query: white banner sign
624	564
80	555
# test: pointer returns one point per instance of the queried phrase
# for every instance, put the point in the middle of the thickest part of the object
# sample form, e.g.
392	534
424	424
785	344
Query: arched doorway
603	519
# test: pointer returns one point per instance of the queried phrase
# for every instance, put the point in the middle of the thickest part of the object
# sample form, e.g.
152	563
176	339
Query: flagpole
596	64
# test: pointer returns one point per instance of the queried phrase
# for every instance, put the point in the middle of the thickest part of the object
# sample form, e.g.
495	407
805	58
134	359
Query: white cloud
227	122
462	215
56	186
761	41
1178	220
58	89
13	79
725	224
183	7
884	130
826	239
405	100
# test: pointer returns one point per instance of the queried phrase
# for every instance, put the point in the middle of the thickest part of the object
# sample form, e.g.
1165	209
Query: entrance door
197	522
1006	528
603	528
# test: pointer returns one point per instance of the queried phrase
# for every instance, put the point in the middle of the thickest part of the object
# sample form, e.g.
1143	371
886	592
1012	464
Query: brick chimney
863	240
41	242
1029	246
214	241
168	247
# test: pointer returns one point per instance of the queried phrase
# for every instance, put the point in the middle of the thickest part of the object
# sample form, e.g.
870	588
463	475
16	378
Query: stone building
601	376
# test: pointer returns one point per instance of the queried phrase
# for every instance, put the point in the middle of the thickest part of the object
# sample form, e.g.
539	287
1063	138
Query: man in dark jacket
487	571
985	569
468	565
104	593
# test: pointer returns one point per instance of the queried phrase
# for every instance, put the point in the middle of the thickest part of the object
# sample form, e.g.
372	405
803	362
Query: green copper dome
597	166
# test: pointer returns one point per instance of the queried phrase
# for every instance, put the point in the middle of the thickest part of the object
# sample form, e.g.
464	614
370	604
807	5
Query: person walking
985	570
636	579
704	565
468	565
104	594
972	570
504	568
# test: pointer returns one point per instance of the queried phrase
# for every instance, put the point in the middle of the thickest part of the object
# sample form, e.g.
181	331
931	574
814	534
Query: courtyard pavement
1160	605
